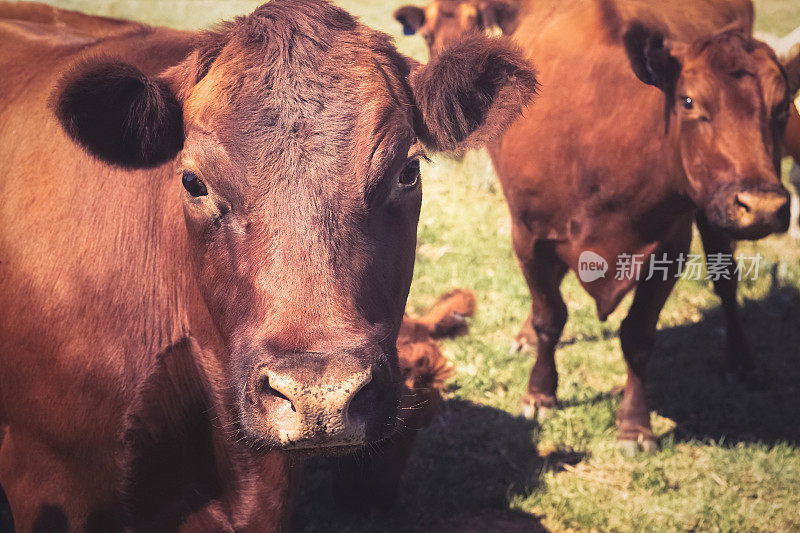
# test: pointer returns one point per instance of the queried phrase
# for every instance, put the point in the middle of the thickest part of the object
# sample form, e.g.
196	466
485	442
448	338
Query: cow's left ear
470	93
119	115
651	59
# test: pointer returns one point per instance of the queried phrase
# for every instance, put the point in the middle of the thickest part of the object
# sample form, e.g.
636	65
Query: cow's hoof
537	413
527	410
522	343
543	413
649	447
520	346
633	448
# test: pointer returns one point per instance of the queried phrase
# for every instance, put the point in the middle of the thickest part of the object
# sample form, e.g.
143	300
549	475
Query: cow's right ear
650	57
119	115
411	17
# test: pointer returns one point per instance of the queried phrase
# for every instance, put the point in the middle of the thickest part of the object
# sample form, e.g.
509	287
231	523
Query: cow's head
296	134
445	21
727	98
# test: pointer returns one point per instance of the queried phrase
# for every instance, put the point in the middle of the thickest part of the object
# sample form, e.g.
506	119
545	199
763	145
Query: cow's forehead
297	93
731	55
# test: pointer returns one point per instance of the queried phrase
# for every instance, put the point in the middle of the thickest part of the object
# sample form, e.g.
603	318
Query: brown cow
788	50
444	21
792	139
652	115
219	274
370	479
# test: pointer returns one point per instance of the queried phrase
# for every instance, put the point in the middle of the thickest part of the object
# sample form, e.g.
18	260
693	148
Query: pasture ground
730	458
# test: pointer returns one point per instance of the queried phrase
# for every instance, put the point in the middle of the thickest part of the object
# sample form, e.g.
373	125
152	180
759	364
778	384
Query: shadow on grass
464	469
688	385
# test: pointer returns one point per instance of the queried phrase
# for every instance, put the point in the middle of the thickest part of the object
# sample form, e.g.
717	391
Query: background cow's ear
650	58
498	14
471	93
411	17
119	115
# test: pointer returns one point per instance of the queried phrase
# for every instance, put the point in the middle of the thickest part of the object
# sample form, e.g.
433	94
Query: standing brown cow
206	251
651	116
792	140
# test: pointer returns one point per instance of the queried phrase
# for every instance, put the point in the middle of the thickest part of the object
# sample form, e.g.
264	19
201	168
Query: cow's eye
410	175
193	184
687	102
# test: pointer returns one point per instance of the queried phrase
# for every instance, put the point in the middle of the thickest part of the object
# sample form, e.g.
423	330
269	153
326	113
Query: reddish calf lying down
371	478
207	244
654	115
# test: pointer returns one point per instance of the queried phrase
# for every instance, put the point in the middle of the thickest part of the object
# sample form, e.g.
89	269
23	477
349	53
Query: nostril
363	402
265	389
741	202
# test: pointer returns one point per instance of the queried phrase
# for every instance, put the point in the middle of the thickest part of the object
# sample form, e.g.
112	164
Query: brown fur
610	161
136	319
792	138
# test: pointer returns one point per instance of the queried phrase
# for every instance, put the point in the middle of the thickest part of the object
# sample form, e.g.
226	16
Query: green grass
730	458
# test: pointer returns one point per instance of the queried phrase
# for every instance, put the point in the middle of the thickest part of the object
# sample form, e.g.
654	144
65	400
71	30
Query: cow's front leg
738	354
637	336
544	272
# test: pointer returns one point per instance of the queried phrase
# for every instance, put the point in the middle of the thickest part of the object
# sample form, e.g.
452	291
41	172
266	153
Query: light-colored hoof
649	447
527	410
535	413
543	413
634	448
518	346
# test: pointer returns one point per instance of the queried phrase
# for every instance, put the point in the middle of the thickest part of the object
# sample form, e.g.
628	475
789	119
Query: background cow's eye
193	185
688	103
410	175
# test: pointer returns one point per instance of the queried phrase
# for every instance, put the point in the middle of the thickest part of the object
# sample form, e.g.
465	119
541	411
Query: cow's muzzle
752	213
320	403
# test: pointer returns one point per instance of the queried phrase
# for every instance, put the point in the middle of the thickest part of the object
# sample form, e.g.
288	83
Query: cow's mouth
302	450
750	213
325	451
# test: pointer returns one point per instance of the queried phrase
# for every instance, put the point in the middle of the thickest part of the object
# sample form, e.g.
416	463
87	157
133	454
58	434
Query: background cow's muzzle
324	401
752	212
